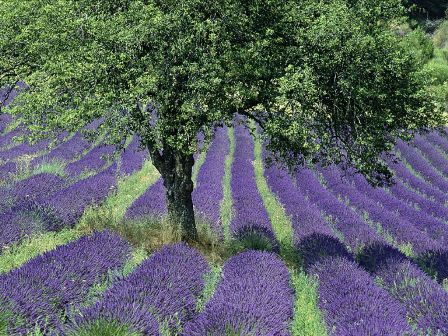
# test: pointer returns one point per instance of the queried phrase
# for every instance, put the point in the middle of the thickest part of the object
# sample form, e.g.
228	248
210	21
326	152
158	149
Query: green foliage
440	37
328	80
211	281
307	319
103	328
226	203
422	45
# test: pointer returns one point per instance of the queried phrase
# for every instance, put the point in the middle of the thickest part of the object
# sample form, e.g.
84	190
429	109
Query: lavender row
402	230
419	164
436	229
426	302
417	183
19	214
431	154
5	119
92	161
253	298
133	157
353	304
208	192
67	151
250	214
357	233
428	206
41	292
67	205
162	289
7	139
439	140
152	203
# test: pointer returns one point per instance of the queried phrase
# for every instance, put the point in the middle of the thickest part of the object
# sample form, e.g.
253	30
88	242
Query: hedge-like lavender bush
164	287
356	231
151	203
67	205
250	213
431	154
41	291
253	298
419	164
92	161
417	183
402	230
67	151
353	304
208	192
133	157
426	302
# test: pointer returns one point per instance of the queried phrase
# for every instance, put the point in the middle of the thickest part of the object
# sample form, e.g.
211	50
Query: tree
327	81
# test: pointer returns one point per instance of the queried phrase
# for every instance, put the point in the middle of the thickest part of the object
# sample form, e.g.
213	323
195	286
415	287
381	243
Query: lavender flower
92	161
253	298
133	157
426	302
164	287
250	213
353	304
208	193
357	232
151	203
42	290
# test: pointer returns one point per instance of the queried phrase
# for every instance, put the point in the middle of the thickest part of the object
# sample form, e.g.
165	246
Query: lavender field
322	252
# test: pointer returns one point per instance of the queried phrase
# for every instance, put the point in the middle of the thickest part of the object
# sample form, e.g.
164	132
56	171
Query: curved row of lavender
133	157
208	193
46	202
423	167
426	302
42	291
94	160
382	211
355	230
162	290
253	298
250	215
424	305
351	302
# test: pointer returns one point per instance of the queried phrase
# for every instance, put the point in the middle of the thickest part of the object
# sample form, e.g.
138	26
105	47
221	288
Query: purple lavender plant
250	213
253	298
417	183
353	304
151	203
133	157
426	302
164	287
208	193
431	154
357	233
92	161
67	205
42	290
423	167
402	230
439	140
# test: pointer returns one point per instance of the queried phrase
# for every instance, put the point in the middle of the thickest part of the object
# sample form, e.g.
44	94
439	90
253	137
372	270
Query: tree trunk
177	173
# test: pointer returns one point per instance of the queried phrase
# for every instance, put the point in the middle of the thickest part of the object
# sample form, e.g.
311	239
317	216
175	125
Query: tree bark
176	173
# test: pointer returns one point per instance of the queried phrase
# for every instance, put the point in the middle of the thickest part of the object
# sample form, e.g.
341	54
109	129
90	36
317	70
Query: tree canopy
327	81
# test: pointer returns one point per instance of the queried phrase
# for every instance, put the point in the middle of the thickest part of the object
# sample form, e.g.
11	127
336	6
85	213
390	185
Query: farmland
317	252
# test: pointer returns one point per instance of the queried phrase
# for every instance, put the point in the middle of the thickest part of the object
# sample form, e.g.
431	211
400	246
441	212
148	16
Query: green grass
114	208
308	319
17	254
103	328
281	223
226	203
211	281
197	165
